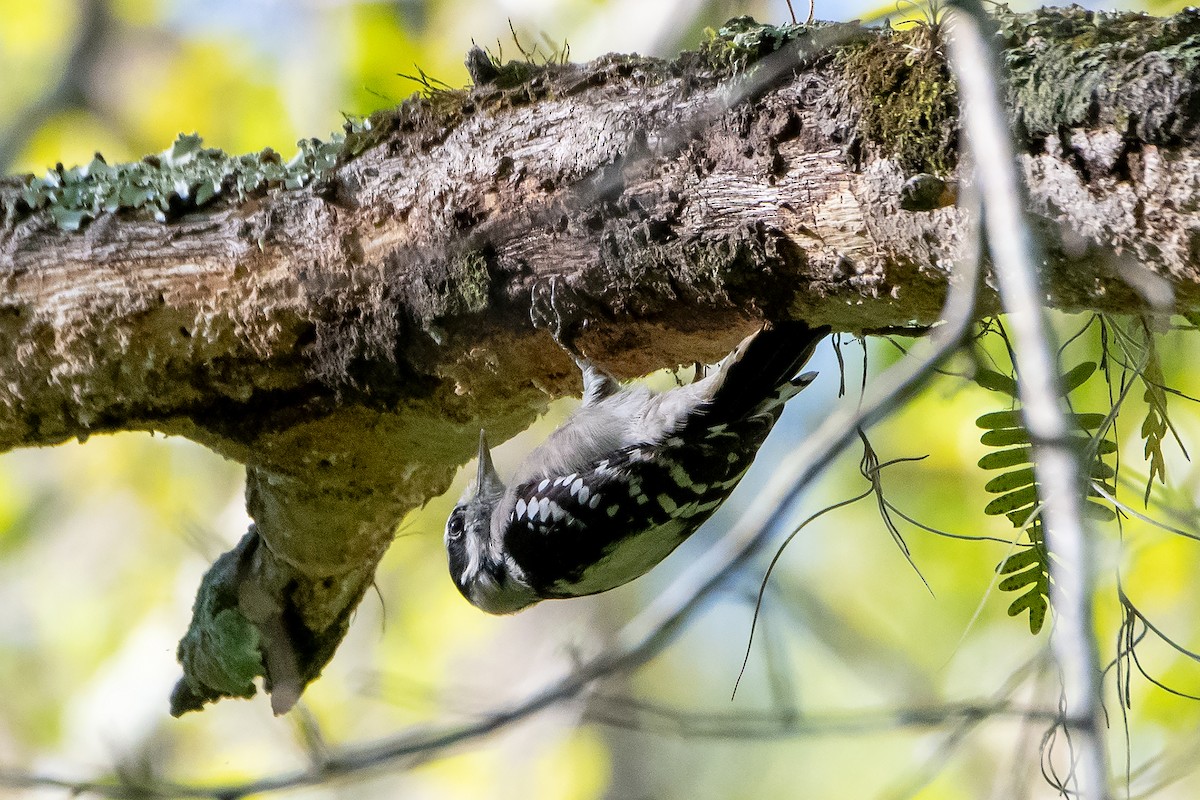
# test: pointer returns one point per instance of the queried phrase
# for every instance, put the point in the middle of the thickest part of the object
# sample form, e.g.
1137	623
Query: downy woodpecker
624	480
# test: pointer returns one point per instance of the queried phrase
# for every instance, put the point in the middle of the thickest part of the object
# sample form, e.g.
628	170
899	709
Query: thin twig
629	713
1057	465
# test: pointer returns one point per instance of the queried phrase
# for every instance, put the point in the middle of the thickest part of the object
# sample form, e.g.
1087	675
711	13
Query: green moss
469	283
220	651
908	97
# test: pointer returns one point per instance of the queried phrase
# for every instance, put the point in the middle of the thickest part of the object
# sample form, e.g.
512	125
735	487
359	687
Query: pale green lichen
1071	67
184	177
741	41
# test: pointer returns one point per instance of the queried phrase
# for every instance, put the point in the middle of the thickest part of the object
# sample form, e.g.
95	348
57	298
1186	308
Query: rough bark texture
346	340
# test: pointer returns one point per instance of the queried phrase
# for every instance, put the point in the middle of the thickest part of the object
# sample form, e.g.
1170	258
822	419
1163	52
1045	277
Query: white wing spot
544	509
520	508
584	491
595	501
576	487
556	511
542	486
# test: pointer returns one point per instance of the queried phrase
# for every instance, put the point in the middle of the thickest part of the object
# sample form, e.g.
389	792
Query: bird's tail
763	371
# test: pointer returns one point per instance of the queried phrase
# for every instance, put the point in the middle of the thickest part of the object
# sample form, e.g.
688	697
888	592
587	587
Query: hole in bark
1127	160
307	335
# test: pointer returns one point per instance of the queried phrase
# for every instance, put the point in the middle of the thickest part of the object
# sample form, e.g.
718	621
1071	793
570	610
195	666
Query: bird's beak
486	476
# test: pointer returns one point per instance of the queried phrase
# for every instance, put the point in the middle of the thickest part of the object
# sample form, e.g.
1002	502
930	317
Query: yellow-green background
102	544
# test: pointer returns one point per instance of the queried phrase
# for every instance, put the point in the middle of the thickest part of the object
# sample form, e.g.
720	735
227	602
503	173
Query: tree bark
346	339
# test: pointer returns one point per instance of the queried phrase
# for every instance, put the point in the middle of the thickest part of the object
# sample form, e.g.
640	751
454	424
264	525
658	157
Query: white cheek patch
475	554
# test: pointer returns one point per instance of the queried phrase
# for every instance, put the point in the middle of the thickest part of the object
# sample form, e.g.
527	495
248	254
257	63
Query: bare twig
1057	466
626	712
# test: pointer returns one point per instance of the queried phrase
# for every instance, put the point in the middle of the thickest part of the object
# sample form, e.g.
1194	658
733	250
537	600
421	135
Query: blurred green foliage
102	545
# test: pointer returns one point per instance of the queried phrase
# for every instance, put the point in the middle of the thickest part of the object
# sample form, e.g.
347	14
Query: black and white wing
591	531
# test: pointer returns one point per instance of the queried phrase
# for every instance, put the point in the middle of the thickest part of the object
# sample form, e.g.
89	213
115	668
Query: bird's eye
454	526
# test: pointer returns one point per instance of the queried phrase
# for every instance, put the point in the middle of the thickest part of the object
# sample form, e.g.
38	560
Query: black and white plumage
624	480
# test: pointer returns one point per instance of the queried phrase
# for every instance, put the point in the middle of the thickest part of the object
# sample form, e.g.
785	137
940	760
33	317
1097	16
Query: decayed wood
347	340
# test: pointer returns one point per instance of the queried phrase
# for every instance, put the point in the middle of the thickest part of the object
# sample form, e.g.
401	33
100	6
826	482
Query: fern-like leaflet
1028	571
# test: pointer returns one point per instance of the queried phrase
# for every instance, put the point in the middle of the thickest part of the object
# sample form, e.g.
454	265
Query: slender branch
629	713
1056	463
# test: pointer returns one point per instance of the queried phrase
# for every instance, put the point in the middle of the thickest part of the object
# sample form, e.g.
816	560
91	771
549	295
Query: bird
628	476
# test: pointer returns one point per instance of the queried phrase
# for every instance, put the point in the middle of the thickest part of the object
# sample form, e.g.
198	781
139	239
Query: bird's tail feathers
764	370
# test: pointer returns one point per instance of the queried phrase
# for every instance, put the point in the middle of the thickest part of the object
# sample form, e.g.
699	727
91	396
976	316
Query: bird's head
474	552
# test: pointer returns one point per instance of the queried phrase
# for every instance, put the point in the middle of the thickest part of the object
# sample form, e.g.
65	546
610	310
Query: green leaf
1088	422
1155	425
1021	560
1034	575
1021	498
996	382
1010	480
1005	437
1095	511
1000	419
1036	604
1019	517
1007	458
1078	376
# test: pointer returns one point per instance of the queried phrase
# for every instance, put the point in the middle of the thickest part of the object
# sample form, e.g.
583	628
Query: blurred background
102	544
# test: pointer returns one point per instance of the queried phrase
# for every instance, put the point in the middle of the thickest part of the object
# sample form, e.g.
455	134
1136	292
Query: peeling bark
347	340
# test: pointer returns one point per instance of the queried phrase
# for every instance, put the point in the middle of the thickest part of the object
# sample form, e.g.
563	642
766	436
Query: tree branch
344	330
1057	461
